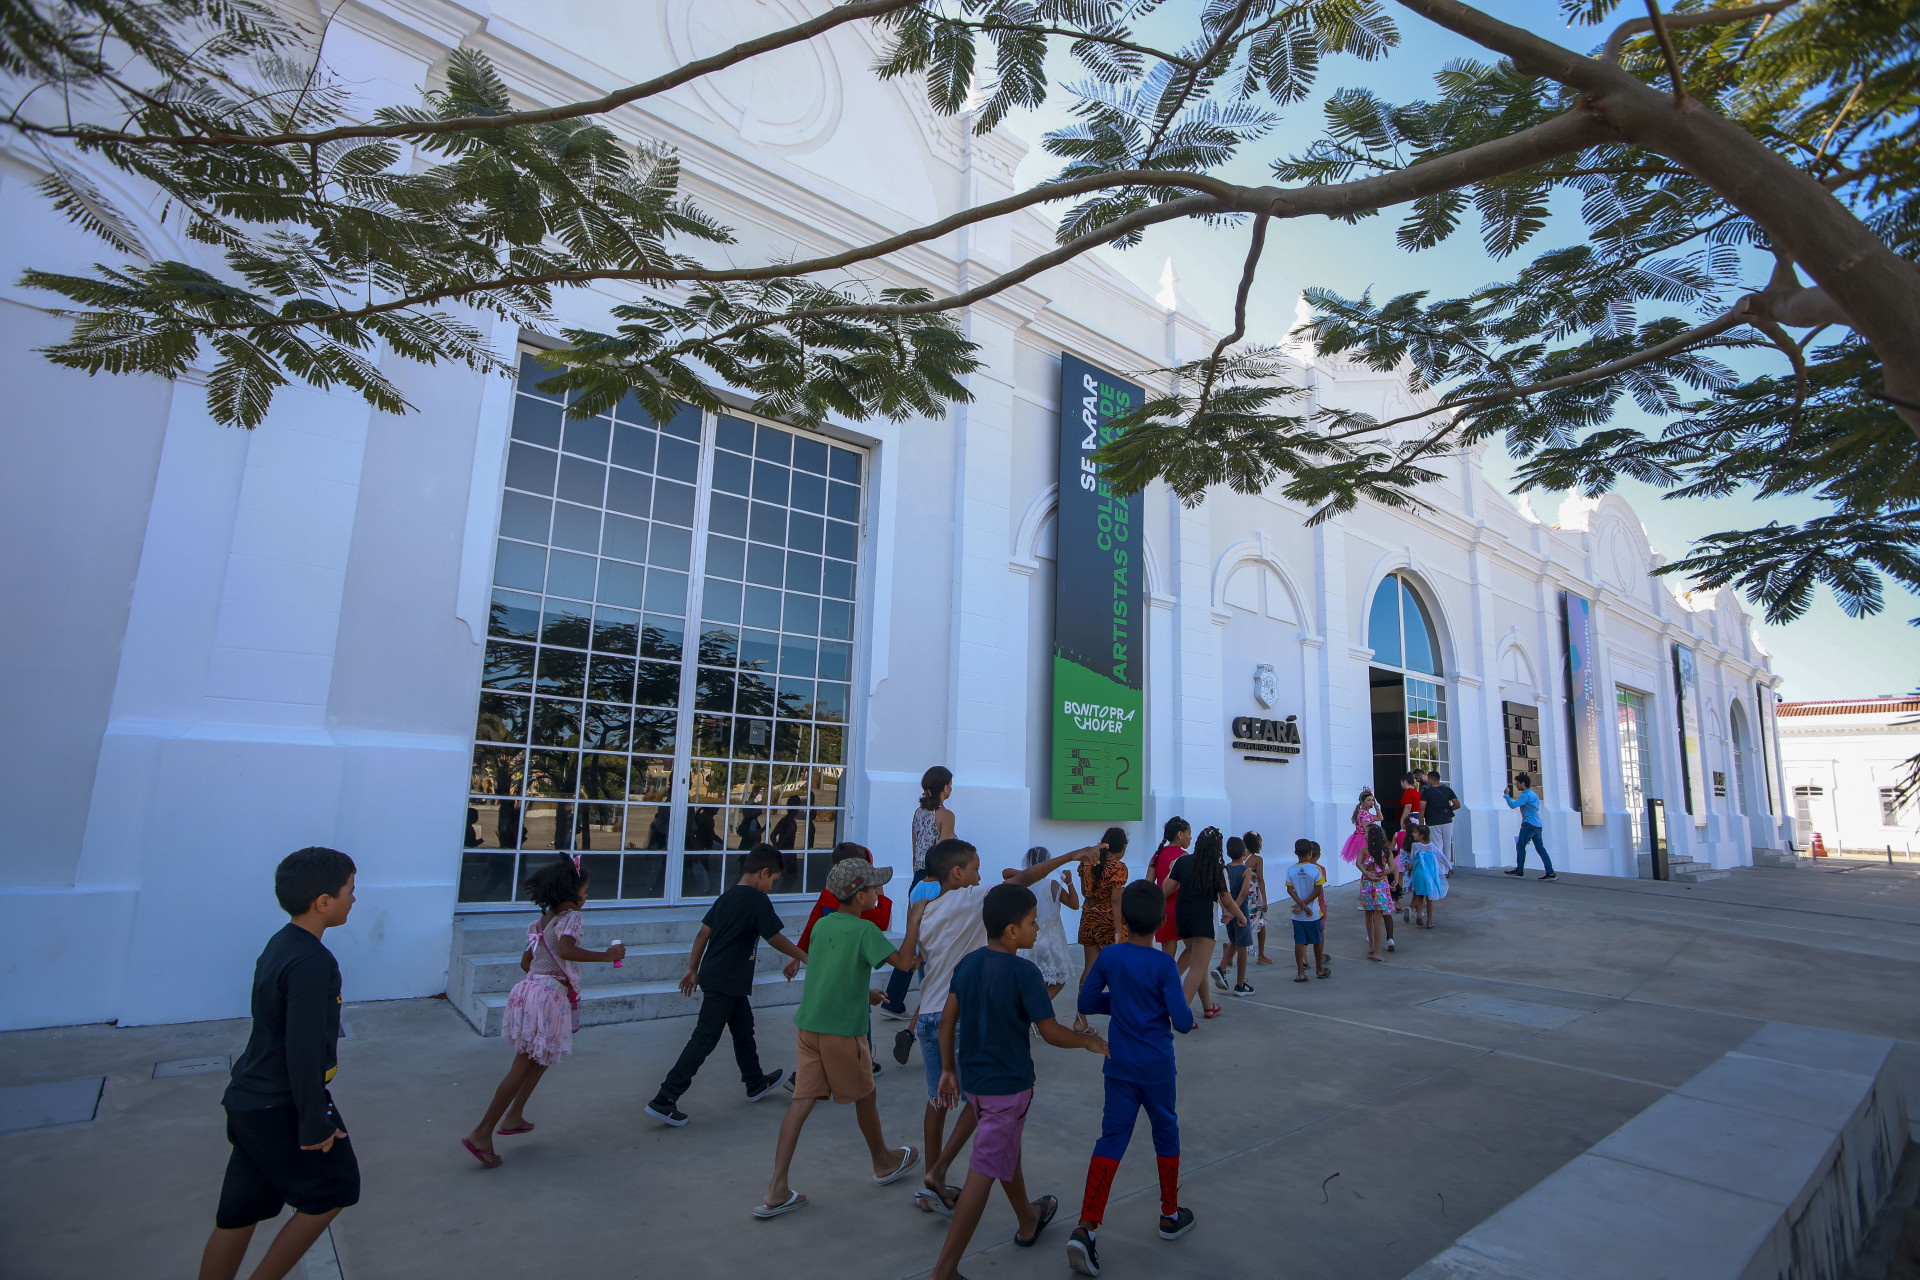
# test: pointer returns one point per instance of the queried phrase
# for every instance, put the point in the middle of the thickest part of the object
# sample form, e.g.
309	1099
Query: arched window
1399	631
1409	703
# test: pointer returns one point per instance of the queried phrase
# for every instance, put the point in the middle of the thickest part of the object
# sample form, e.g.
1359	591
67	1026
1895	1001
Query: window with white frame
669	659
1636	759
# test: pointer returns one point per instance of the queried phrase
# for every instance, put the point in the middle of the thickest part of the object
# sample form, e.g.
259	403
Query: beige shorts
837	1067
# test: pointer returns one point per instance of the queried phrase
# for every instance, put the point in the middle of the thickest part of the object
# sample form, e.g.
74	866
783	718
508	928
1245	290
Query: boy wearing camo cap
831	1027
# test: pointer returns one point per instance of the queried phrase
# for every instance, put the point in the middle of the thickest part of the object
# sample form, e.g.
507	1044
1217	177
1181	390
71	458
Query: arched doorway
1407	696
1745	762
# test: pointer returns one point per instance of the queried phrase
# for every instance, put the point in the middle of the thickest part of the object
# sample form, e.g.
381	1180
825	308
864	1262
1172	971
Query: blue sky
1823	655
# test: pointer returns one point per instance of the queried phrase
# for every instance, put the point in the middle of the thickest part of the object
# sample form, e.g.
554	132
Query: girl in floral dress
1365	814
1376	896
1100	884
543	1010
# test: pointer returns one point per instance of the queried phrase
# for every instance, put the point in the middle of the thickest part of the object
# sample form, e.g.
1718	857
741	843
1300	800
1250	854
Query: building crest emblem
1266	685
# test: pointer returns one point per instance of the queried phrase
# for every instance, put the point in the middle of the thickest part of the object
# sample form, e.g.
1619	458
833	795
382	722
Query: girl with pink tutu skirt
1365	814
543	1010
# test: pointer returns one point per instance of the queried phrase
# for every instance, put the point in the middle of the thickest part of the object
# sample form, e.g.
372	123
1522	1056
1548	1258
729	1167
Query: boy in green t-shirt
834	1061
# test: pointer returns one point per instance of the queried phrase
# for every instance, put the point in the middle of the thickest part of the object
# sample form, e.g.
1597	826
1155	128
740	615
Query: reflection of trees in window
556	723
719	647
566	625
503	718
658	640
508	666
713	690
562	672
657	684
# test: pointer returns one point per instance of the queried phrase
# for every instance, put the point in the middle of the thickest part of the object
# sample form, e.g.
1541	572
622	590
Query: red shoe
1212	1011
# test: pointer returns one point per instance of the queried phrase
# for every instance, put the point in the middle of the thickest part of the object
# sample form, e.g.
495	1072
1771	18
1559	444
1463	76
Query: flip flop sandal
931	1202
488	1159
1324	972
508	1133
1303	978
908	1158
794	1201
1051	1206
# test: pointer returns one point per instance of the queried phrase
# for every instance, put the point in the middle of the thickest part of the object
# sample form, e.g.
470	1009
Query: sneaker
667	1113
888	1011
902	1045
1515	871
765	1087
1220	979
1081	1255
1242	989
1389	944
876	1068
1172	1228
788	1085
1551	875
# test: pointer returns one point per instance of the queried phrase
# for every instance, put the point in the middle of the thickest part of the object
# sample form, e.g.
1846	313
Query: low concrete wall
1770	1163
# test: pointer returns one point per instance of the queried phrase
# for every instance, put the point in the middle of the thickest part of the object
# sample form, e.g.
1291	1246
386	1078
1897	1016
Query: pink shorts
996	1143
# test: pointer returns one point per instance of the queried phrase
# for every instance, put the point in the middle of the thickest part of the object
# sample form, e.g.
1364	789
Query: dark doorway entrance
1388	696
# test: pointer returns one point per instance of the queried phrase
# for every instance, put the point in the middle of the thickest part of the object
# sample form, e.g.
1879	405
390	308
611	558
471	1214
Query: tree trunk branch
1681	21
798	33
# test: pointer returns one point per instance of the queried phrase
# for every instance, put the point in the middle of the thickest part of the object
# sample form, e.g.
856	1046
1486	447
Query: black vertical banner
1100	617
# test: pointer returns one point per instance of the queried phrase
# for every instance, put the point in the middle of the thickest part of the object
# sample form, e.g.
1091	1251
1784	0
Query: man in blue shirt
1138	985
1528	803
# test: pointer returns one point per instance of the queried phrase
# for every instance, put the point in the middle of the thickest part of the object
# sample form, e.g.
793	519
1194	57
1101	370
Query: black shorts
268	1169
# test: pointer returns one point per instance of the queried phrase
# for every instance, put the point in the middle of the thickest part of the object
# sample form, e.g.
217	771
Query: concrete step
635	926
1691	872
655	962
628	1002
1775	858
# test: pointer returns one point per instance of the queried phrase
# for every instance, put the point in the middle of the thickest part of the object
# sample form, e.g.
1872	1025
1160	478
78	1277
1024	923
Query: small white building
459	642
1844	761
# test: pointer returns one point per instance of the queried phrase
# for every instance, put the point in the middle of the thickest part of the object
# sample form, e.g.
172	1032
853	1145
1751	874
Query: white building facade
456	642
1844	763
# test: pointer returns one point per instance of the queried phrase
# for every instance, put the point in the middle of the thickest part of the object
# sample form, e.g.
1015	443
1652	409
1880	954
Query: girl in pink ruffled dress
543	1009
1365	814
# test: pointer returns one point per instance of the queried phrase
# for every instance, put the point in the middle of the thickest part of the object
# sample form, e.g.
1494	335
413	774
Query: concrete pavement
1438	1086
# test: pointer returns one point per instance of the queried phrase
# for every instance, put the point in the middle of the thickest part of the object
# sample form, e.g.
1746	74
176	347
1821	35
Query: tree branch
1187	206
1667	51
1739	315
774	271
1680	21
800	32
1247	272
1570	131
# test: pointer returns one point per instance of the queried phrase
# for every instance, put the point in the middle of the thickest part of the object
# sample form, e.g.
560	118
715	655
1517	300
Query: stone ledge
1769	1163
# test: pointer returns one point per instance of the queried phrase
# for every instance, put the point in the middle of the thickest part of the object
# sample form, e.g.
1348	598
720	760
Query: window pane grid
575	732
1635	759
582	704
773	685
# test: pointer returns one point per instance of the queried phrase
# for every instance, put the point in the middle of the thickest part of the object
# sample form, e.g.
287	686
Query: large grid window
775	656
1426	726
592	707
1636	759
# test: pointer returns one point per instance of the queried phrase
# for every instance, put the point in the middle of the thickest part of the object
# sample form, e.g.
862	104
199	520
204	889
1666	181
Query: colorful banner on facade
1583	707
1686	696
1099	621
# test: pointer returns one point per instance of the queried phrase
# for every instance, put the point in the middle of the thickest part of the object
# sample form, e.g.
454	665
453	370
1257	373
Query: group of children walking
991	962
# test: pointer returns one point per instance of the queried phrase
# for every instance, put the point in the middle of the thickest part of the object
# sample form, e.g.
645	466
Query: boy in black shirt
722	966
289	1144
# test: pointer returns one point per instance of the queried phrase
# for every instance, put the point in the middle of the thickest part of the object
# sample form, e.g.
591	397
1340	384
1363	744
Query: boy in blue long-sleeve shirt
1138	986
